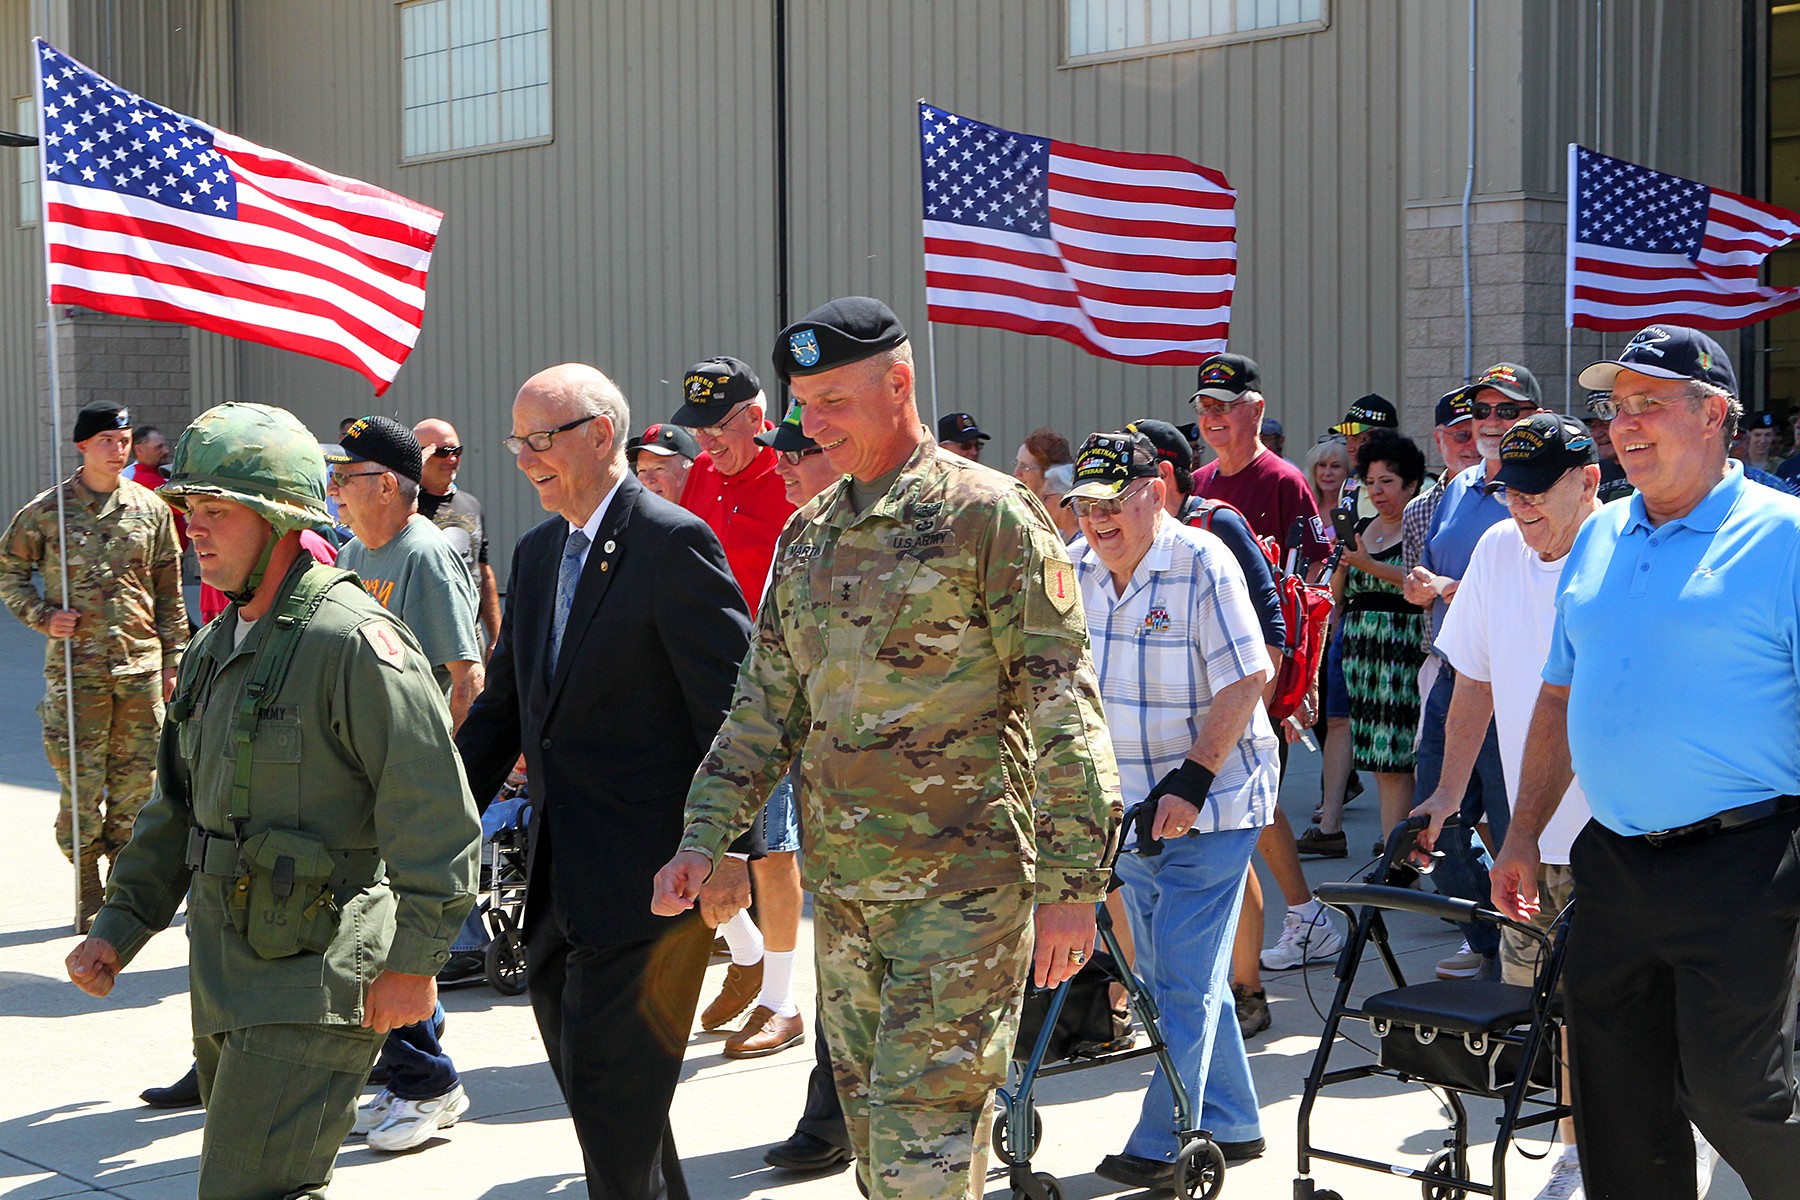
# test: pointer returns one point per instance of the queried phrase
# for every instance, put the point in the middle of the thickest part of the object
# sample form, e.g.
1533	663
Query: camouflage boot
92	894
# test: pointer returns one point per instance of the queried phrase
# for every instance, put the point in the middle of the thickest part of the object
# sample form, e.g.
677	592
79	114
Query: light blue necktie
567	577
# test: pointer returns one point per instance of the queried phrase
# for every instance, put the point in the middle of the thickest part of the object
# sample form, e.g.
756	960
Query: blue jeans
781	823
420	1070
1463	871
1183	906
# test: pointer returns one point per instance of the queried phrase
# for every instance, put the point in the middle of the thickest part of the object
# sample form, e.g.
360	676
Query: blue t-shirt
1462	516
1680	645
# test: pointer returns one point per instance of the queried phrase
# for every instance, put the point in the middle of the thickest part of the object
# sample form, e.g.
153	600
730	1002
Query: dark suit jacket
612	738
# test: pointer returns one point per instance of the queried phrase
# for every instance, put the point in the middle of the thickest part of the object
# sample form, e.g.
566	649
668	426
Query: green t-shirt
419	577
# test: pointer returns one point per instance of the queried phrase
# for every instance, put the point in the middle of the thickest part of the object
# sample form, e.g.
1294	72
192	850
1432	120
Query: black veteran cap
99	417
835	334
1535	452
665	441
1371	412
712	388
1108	463
1227	377
788	435
1510	380
1666	352
960	427
1453	408
1593	398
1168	440
380	440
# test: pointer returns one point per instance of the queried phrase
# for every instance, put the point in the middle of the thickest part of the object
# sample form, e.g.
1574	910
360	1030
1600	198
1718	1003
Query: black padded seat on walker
1471	1006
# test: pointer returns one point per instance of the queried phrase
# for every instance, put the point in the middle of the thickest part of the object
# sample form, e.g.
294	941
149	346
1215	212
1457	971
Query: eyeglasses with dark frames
340	478
793	458
719	429
445	451
542	439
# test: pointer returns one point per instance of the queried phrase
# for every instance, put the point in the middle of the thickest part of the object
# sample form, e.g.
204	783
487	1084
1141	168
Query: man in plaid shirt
1182	665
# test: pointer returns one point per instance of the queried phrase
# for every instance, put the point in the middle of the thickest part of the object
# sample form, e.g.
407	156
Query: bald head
443	455
585	417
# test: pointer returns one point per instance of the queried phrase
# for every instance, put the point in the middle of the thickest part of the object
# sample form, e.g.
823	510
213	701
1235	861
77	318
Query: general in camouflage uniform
925	654
129	627
310	808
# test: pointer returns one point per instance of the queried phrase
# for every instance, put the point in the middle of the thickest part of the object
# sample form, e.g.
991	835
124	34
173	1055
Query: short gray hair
601	397
1699	391
408	489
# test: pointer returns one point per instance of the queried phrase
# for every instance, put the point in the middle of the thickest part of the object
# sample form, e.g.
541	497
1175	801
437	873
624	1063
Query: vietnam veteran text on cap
1453	408
1510	380
380	440
1536	452
714	387
1108	463
664	440
99	417
836	334
1226	377
1666	352
960	427
1371	412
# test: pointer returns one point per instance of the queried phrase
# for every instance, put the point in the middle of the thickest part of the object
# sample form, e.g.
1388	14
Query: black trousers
615	1022
823	1116
1680	983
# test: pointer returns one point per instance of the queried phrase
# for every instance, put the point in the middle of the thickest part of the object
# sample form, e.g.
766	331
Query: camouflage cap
258	455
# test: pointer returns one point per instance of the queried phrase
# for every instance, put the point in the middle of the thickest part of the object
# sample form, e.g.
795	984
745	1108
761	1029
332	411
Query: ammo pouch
283	903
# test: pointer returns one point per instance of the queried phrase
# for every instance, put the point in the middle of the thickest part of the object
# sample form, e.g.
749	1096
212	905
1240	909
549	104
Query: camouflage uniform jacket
354	748
928	662
124	578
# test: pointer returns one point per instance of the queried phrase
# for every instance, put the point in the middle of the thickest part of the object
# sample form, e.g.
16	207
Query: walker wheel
1199	1170
506	963
1327	1195
1003	1151
1445	1165
1052	1187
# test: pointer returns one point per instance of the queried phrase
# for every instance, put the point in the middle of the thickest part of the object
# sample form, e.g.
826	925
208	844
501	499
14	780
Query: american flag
148	213
1129	256
1647	246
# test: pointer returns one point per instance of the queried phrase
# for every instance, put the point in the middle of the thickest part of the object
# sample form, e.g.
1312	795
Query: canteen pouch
286	892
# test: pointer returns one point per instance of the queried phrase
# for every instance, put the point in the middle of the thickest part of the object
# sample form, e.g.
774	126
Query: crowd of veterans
964	708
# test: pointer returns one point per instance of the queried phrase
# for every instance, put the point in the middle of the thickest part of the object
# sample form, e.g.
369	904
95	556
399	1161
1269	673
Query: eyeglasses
1460	436
1211	407
1631	406
718	430
1506	412
1508	497
541	439
1103	508
793	458
339	478
445	451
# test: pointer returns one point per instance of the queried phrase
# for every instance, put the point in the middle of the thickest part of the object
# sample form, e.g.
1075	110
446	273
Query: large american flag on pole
148	213
1648	246
1129	256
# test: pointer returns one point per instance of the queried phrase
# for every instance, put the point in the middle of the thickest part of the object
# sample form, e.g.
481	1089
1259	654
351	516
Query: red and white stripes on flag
1129	256
1647	246
148	213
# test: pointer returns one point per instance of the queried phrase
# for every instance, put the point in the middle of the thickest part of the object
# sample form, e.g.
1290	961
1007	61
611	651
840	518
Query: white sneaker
1565	1179
1464	964
374	1112
410	1122
1303	941
1706	1160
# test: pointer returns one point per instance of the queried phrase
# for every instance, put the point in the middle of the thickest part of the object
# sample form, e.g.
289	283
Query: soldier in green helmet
309	806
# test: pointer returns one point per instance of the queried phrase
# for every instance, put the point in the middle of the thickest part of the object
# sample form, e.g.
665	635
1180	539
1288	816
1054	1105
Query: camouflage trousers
920	1003
118	719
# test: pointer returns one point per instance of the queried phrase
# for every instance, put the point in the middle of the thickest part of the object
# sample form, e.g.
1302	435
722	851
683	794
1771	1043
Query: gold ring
1076	956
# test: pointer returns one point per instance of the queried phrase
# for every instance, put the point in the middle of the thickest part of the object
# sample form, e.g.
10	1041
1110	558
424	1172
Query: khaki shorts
1519	953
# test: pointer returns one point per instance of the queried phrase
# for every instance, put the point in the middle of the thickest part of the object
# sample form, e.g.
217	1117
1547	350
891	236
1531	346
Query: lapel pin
610	546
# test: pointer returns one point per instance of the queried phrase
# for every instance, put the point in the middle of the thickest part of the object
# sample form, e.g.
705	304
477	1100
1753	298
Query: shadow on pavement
572	1186
26	994
63	1137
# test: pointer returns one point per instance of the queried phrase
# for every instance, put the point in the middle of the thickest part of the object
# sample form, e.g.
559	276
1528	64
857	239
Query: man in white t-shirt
1497	636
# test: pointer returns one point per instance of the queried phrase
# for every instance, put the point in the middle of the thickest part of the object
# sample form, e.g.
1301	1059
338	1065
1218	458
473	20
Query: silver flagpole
931	353
52	330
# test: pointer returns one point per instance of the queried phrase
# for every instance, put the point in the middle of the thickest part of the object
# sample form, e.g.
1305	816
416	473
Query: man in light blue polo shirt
1672	686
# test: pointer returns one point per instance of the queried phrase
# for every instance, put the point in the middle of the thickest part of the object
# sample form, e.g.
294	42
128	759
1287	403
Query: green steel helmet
258	455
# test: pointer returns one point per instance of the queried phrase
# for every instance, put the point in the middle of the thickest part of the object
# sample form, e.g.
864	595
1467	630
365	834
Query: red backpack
1305	608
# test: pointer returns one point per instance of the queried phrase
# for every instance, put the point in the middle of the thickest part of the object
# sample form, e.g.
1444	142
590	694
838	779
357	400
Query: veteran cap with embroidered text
712	388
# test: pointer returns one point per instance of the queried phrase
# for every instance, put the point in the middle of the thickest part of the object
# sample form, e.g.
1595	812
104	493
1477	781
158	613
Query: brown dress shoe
740	991
765	1033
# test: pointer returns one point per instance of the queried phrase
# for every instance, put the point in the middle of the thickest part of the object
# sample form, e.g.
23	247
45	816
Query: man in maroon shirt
733	487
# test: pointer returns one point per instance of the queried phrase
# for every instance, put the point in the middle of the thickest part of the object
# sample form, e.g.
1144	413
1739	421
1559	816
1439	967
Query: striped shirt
1183	630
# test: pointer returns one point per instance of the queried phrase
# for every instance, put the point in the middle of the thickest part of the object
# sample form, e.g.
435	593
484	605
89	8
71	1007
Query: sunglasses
446	451
1207	404
793	458
1103	508
1506	412
340	478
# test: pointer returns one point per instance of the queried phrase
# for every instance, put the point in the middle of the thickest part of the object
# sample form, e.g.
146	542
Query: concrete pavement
71	1124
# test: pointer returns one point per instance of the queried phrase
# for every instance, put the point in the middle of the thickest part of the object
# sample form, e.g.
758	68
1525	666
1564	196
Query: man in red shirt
151	449
733	487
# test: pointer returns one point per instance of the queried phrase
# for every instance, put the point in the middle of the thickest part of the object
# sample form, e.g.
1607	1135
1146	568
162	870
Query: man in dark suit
614	669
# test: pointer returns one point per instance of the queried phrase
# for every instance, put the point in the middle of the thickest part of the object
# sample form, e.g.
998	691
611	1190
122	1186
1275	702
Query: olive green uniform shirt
928	662
354	748
124	577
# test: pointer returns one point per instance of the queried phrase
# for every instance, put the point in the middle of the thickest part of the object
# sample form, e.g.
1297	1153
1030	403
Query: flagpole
931	356
53	374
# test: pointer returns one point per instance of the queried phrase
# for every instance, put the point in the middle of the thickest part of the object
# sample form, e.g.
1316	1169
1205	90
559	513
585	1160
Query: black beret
99	417
843	331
